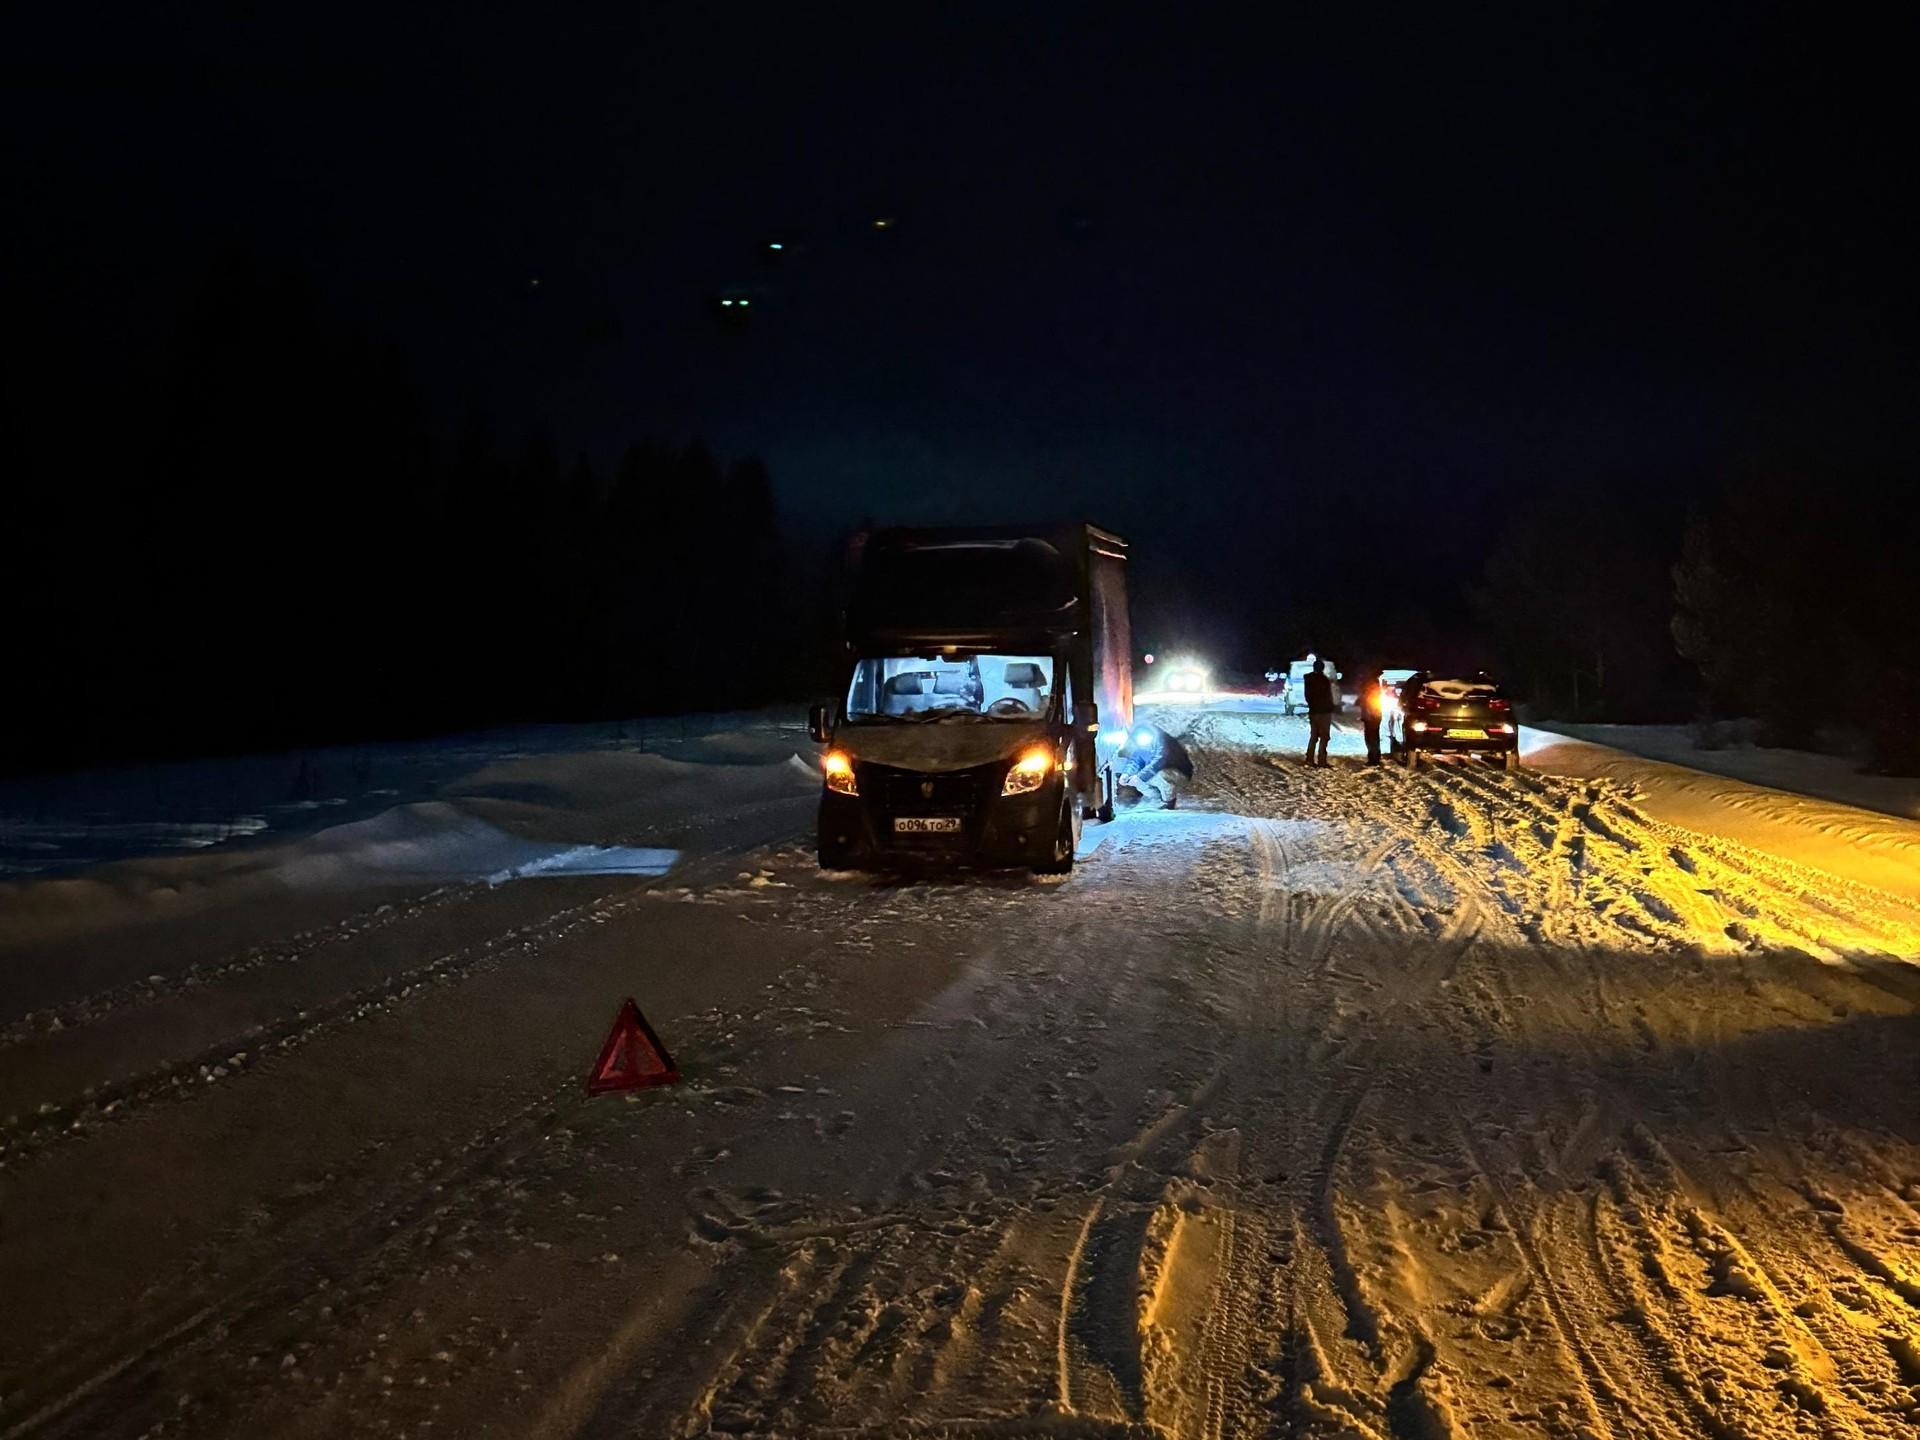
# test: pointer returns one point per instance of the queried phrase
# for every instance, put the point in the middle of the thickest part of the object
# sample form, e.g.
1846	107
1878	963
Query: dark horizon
1297	306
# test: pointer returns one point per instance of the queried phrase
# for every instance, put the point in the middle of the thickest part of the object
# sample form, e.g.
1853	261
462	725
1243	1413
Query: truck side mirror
820	723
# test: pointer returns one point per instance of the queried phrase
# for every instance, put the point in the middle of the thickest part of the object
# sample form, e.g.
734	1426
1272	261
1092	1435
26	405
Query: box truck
988	689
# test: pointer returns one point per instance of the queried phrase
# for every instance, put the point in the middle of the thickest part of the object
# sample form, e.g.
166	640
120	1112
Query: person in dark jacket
1154	763
1372	707
1319	688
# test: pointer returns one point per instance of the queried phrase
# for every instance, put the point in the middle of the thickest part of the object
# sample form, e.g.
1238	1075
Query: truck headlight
1028	772
837	766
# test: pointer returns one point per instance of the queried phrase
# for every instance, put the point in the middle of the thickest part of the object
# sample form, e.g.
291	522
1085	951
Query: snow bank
535	816
435	843
1843	840
62	824
1823	777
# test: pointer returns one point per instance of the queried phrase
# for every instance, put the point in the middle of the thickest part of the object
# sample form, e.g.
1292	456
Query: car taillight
1498	705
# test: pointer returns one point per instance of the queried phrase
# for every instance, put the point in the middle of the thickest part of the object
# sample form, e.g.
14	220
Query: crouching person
1155	764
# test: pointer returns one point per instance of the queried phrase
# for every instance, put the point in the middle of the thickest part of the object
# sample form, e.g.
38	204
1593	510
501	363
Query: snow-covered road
1374	1103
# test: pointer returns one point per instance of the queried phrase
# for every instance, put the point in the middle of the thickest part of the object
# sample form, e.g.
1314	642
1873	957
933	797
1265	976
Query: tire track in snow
1056	1011
1310	1221
354	1242
1559	831
1606	1399
1610	1398
86	1372
238	1054
116	1000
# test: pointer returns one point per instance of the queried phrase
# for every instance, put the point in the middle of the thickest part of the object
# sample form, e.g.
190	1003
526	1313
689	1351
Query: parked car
1442	715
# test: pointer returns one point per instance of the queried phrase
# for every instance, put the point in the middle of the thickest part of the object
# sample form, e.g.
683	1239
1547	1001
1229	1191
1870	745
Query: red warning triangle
633	1056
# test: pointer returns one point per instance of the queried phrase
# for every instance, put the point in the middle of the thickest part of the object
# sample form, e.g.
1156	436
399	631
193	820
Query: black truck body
989	688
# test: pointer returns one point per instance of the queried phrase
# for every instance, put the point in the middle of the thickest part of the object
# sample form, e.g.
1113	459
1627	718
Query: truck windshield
909	688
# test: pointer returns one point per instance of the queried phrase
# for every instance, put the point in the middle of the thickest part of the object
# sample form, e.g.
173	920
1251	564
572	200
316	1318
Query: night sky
1289	303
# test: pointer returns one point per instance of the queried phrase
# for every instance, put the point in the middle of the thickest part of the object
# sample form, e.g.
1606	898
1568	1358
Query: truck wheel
1066	840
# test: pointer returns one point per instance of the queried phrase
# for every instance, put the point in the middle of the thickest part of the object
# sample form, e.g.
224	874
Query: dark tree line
1789	599
264	543
1799	600
1575	601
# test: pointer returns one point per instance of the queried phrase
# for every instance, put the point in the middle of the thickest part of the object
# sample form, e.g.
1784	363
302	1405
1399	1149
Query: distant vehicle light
776	245
1114	737
1149	659
837	765
1184	677
1028	771
1143	739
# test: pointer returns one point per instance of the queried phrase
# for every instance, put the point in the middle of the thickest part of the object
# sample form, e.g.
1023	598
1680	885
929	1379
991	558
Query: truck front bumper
999	830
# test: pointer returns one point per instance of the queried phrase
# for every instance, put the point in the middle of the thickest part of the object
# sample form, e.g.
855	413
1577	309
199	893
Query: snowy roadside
1385	1102
1858	845
1800	772
153	924
63	824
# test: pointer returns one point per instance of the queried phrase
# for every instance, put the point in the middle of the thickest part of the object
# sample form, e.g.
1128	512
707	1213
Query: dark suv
1439	715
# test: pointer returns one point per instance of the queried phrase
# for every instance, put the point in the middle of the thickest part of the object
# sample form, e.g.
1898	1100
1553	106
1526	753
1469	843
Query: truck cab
987	695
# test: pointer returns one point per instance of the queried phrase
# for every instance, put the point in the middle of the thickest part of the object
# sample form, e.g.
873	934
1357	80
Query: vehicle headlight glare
1028	772
837	766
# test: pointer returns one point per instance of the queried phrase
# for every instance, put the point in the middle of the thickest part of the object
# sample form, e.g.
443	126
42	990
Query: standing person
1319	690
1155	764
1372	706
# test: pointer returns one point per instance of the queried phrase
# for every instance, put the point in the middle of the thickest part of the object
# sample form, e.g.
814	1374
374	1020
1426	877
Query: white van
1297	674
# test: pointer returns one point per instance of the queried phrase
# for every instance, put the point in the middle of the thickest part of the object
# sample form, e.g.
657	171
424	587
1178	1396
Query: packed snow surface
1390	1103
1801	772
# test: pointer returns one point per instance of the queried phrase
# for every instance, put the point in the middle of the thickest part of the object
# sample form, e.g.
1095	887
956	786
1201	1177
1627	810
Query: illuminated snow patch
591	860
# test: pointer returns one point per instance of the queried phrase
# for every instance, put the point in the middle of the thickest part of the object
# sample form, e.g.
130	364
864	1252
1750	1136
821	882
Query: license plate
926	825
1466	734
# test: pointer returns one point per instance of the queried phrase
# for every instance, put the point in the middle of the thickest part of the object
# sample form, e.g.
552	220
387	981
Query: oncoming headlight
1028	771
837	766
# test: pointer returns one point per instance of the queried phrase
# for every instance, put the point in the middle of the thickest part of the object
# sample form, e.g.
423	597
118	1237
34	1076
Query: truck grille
914	792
